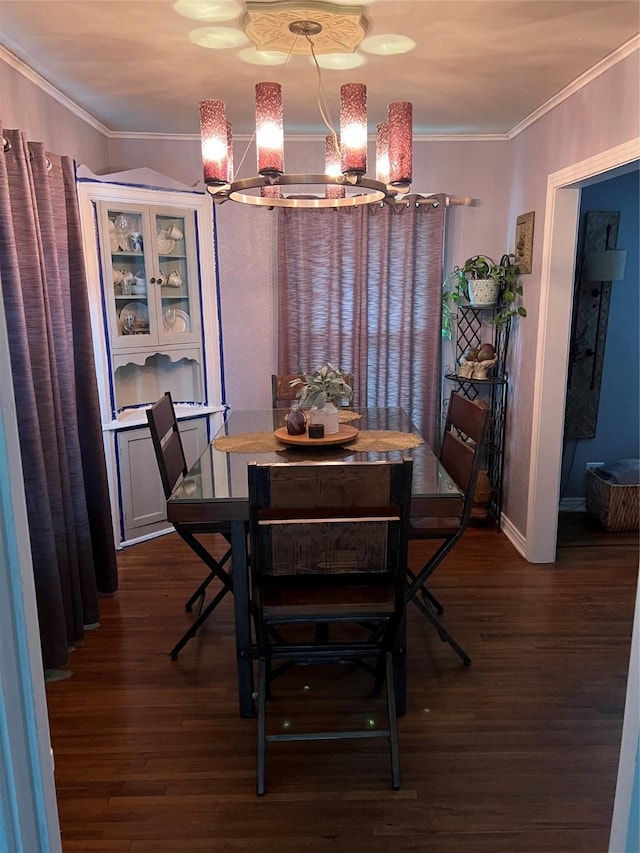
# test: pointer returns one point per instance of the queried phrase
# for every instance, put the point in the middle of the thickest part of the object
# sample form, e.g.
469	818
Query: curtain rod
448	200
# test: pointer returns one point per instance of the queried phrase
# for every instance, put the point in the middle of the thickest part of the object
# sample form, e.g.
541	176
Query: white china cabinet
150	259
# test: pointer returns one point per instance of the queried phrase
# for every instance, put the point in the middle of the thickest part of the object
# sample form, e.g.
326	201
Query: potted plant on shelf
487	284
322	391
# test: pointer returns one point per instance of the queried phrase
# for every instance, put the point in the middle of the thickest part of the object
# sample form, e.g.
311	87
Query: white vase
483	292
327	416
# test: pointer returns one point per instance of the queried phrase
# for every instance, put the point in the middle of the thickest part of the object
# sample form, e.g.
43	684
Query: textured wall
27	107
595	119
504	178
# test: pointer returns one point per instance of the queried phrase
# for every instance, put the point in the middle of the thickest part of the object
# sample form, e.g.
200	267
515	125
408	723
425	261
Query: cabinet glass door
177	307
128	248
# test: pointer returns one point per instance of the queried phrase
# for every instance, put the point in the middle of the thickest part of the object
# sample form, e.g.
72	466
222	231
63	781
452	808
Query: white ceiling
478	67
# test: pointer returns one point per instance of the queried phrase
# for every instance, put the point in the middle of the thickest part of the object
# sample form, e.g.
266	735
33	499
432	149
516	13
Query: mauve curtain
361	287
46	304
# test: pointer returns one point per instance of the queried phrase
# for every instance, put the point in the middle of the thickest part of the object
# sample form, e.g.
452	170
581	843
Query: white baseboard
514	536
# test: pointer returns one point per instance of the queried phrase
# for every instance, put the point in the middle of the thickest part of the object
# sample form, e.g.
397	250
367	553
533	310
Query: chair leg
393	723
445	636
381	674
205	583
262	727
429	598
191	632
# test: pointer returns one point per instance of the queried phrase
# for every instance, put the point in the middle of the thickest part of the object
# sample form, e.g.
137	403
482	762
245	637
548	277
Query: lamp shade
382	153
215	134
353	128
271	192
400	144
332	166
269	129
606	265
229	152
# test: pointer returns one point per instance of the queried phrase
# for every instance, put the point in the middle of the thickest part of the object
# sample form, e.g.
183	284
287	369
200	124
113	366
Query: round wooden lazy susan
345	433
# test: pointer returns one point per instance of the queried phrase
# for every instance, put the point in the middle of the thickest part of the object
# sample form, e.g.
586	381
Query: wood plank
517	753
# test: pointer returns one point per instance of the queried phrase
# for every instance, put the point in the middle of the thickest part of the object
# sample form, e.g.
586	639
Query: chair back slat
458	457
330	485
463	445
167	443
466	416
346	519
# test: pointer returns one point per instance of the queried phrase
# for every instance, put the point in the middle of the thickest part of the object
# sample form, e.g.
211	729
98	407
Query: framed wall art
524	241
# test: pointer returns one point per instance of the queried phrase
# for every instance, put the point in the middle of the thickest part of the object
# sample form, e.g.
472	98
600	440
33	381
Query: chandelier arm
371	191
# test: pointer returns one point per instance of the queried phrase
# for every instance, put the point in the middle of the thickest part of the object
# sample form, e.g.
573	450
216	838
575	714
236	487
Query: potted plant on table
322	391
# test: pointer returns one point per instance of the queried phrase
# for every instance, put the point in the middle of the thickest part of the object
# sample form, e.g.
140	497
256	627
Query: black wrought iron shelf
475	325
491	380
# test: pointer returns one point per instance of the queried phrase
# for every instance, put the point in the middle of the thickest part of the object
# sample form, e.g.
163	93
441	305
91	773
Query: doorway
558	264
603	402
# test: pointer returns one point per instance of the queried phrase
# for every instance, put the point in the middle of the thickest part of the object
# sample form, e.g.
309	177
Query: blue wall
618	428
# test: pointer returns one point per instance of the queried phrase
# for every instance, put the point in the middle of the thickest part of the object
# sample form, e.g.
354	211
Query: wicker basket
616	507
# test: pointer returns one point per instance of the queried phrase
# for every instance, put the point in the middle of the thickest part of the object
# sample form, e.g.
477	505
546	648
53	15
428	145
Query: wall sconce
606	265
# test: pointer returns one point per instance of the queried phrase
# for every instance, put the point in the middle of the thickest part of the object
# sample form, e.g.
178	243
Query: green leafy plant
327	383
506	274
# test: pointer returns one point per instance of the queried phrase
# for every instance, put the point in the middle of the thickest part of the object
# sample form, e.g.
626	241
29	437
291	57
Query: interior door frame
552	349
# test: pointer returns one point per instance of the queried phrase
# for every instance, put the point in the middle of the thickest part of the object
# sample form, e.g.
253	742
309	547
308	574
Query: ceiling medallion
268	25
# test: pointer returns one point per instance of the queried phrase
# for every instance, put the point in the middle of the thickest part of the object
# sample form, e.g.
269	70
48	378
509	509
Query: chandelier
344	179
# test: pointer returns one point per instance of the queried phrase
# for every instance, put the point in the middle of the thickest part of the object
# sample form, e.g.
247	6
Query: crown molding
580	82
26	71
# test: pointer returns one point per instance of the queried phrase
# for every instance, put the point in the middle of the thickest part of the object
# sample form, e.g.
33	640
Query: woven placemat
372	440
345	416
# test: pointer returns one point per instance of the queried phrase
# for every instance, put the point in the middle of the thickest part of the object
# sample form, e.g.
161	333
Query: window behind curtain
361	287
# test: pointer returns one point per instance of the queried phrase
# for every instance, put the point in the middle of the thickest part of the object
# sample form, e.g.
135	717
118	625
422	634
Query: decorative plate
140	313
165	246
182	323
345	434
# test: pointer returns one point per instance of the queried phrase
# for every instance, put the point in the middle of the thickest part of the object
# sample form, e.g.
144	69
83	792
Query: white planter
483	292
327	416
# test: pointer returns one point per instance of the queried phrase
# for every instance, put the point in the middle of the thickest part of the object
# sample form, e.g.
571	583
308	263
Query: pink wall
27	107
505	178
603	114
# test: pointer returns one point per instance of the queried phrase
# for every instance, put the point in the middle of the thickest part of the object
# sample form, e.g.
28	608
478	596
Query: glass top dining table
215	489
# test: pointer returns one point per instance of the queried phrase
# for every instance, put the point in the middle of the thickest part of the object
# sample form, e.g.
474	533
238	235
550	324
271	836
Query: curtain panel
49	333
361	288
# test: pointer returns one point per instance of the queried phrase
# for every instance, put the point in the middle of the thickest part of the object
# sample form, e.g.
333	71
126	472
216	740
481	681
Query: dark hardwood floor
517	753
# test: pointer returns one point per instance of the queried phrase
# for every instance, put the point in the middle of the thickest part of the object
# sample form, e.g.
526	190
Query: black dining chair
328	547
461	454
172	466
